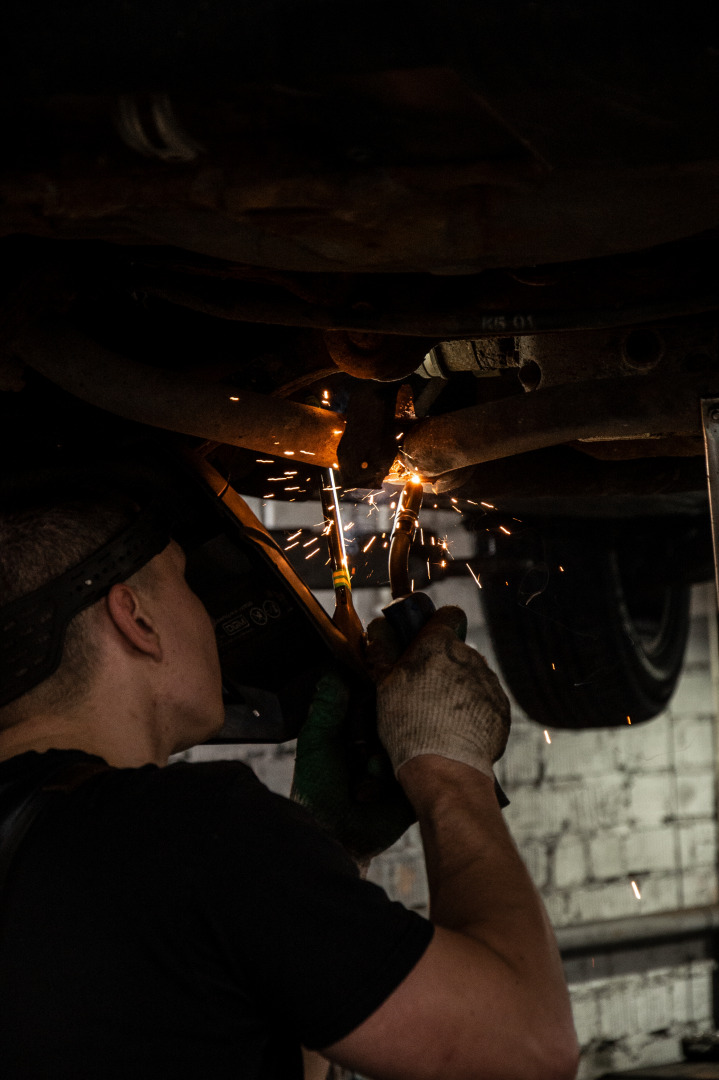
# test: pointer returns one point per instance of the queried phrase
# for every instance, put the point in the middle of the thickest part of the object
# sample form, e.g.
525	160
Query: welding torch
409	610
407	614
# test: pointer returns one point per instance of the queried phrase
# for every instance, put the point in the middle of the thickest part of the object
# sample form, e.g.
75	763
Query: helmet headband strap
33	627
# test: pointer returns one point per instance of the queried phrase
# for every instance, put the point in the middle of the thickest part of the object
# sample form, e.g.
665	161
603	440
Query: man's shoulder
194	791
51	765
216	774
190	785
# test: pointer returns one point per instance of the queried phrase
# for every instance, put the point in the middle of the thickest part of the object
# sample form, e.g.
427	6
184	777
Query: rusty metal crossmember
617	408
172	400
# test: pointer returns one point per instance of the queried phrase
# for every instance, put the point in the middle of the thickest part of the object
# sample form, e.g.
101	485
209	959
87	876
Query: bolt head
714	414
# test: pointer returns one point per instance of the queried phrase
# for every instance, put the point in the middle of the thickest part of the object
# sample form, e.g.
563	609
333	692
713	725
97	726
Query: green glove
344	777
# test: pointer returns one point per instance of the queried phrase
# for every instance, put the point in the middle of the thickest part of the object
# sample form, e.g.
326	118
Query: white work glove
440	697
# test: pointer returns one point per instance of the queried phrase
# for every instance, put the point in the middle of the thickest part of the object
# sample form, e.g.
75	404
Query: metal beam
620	408
609	934
171	400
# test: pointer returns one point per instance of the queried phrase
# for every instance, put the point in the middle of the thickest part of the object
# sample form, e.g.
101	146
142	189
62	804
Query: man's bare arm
488	998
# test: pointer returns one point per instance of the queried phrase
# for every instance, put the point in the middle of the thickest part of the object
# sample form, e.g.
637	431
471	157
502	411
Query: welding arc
405	523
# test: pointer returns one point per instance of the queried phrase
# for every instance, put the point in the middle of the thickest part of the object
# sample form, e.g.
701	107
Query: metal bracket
710	425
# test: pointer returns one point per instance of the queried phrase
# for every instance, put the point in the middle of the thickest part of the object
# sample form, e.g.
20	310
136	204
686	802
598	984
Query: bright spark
295	488
289	453
475	576
294	535
314	540
270	496
315	552
369	543
546	736
311	453
292	472
635	887
264	461
234	399
629	719
561	568
488	505
502	529
457	509
398	437
346	527
290	546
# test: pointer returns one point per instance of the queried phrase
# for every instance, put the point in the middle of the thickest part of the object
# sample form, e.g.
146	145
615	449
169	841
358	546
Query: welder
179	920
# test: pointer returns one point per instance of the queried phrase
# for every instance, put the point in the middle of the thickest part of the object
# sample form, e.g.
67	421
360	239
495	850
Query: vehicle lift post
710	427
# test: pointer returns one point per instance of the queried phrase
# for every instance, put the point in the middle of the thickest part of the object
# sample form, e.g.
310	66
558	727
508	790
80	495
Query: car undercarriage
479	244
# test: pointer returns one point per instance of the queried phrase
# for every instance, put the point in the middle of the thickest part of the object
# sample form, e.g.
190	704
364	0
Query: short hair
40	538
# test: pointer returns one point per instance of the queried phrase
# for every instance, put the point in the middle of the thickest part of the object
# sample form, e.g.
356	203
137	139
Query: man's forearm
479	886
472	861
488	997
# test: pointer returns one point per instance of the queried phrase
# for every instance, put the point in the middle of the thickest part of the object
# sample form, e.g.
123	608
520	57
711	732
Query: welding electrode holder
407	615
410	611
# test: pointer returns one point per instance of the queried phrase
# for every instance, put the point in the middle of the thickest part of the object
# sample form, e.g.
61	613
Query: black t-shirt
186	922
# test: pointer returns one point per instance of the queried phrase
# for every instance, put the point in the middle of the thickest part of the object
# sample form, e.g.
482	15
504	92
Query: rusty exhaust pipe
166	399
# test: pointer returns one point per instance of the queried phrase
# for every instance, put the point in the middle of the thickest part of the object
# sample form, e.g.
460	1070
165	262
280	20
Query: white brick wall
590	812
638	1020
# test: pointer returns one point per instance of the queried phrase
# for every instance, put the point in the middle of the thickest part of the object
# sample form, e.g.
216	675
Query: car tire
582	638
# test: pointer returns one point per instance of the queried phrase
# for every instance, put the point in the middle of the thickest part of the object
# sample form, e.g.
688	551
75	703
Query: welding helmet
274	639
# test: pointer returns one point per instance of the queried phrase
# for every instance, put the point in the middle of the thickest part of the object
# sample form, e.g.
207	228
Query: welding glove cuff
442	698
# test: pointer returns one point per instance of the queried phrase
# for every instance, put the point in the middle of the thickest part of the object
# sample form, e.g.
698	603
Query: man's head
149	638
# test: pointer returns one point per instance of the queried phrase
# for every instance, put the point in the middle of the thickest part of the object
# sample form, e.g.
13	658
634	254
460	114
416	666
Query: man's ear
133	620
